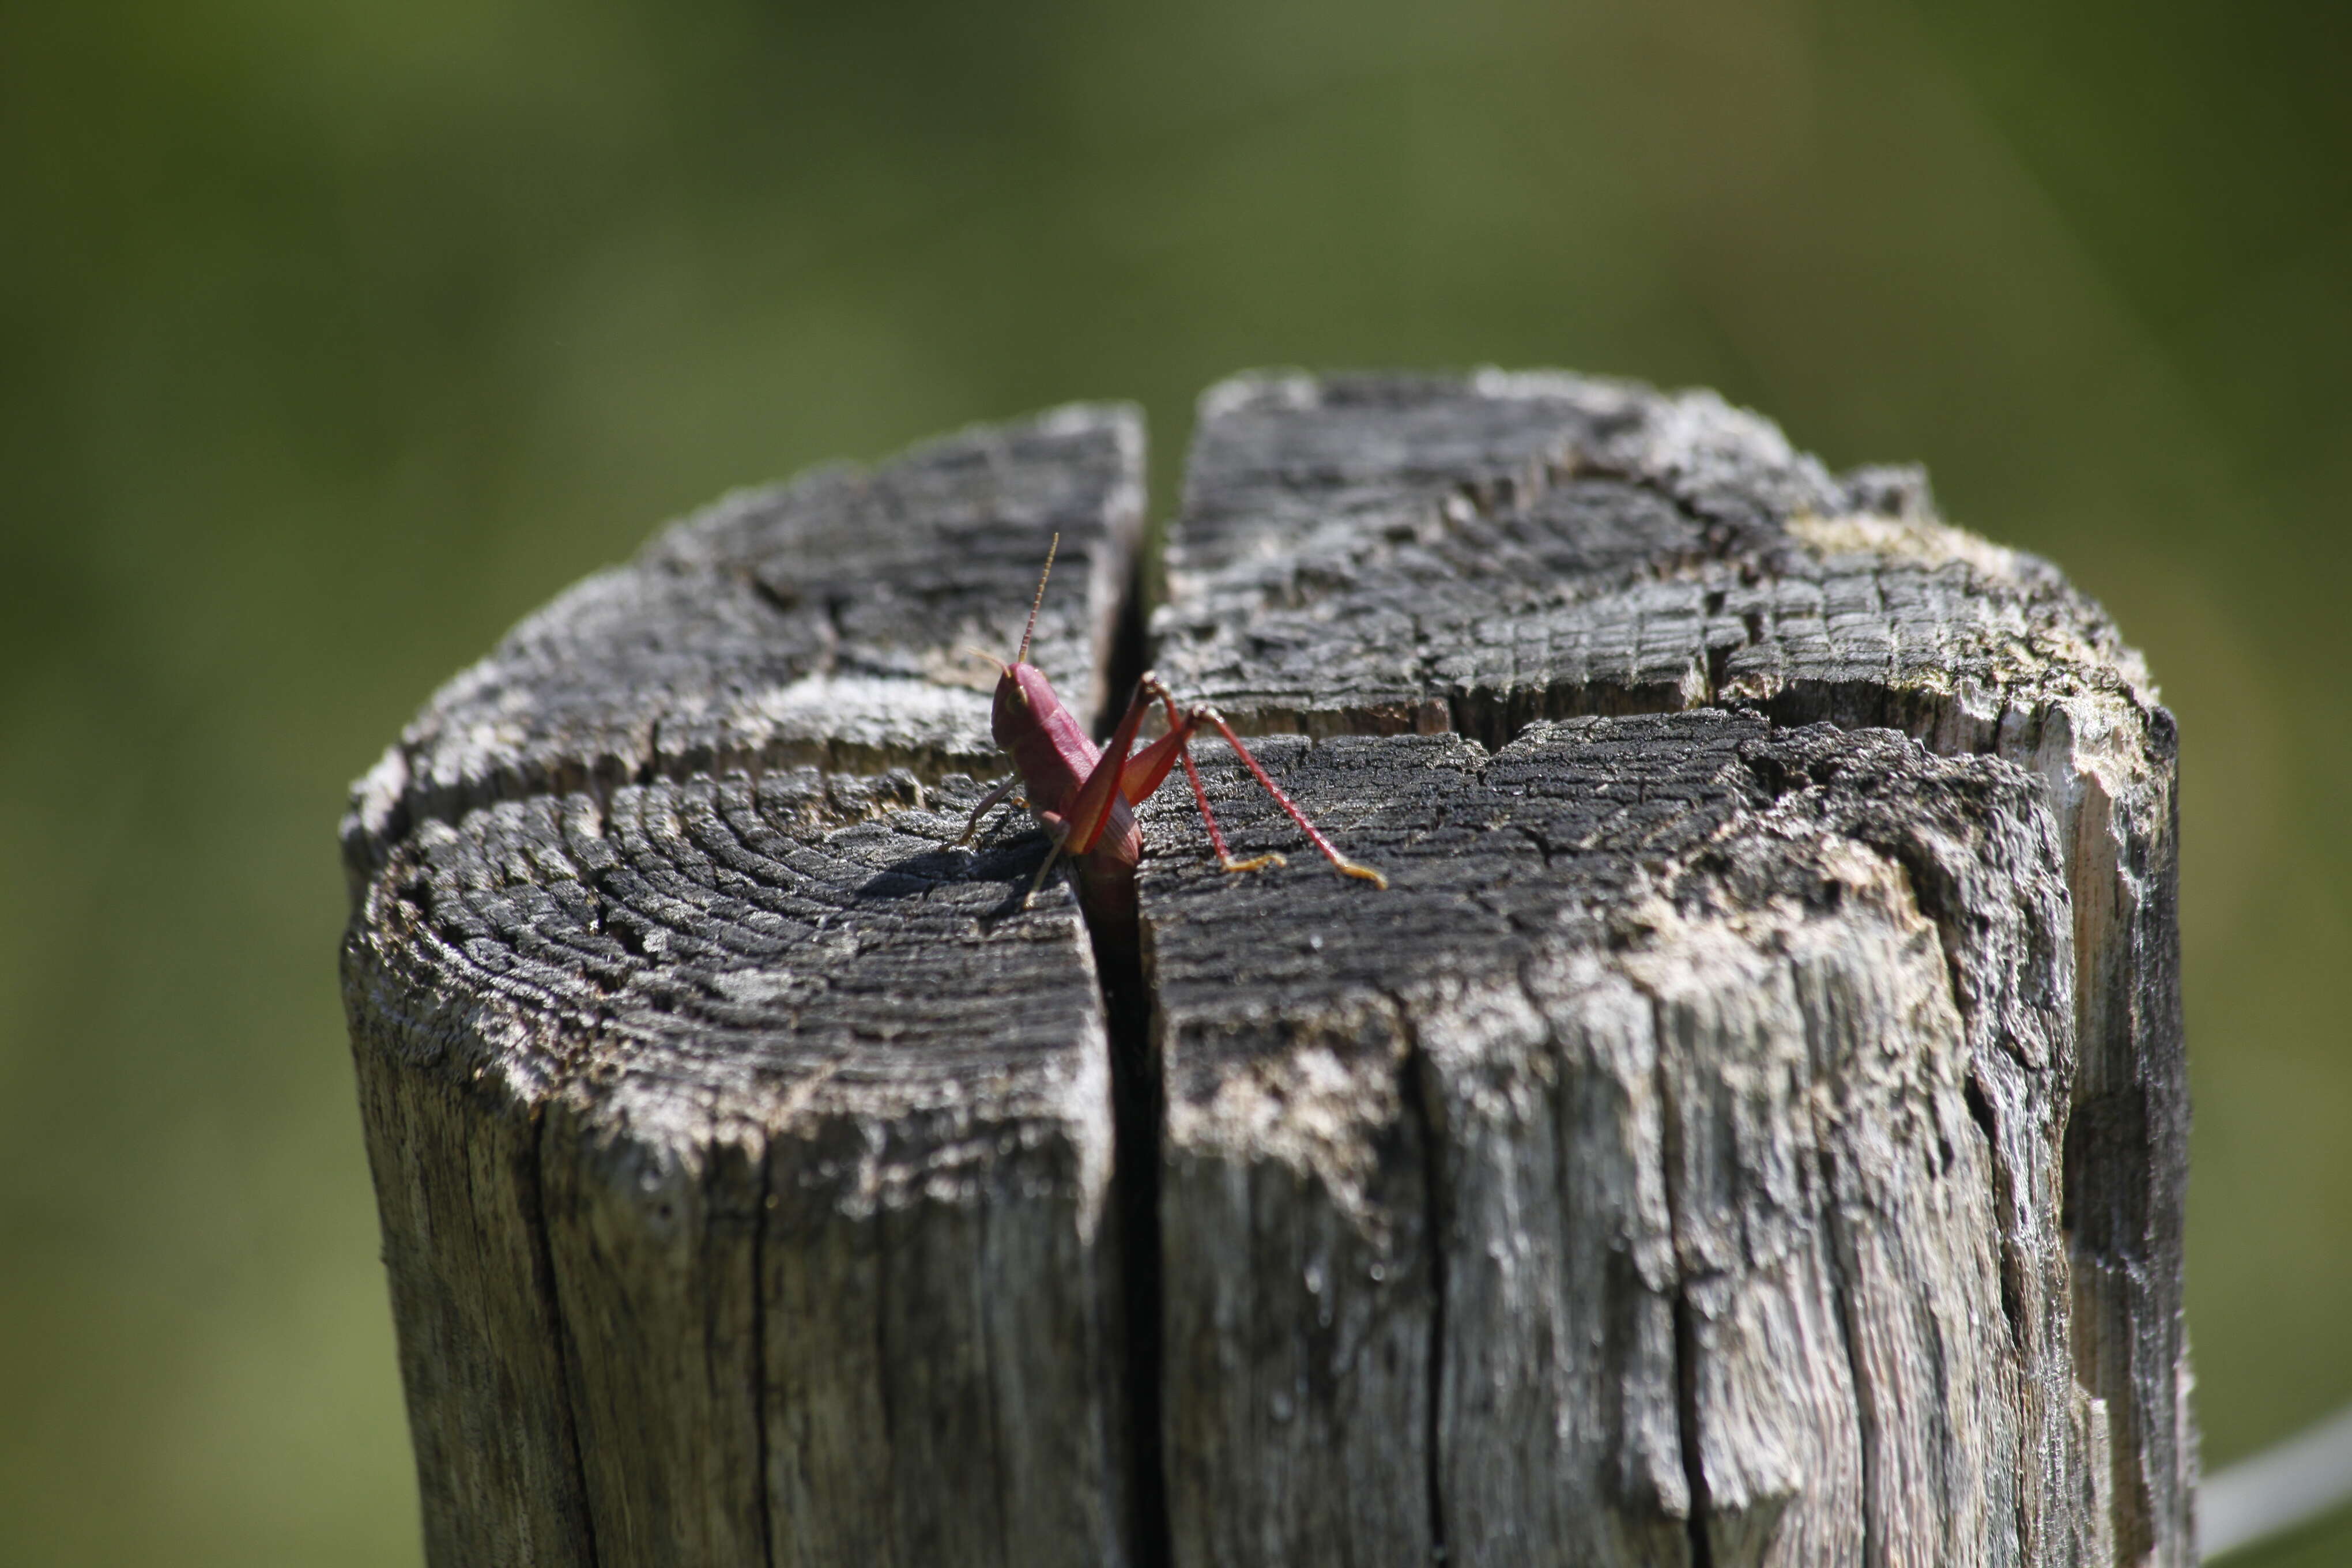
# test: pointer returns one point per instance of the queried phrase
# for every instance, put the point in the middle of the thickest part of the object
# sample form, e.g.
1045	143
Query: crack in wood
1702	1548
1689	1439
559	1331
1844	1265
1137	1102
762	1204
1417	1095
618	855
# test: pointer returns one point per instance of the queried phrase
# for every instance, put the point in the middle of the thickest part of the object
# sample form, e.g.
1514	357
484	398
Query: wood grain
1749	1130
1394	554
745	1149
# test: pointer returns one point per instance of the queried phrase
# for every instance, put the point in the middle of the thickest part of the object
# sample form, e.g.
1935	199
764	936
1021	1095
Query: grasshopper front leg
997	796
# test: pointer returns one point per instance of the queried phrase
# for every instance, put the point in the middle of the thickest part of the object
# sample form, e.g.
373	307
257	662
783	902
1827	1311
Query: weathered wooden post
1752	1129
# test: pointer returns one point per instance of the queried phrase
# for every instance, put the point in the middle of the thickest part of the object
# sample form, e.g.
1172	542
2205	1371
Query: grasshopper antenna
1035	603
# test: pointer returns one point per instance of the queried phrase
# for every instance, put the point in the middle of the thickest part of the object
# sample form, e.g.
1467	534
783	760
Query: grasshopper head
1023	698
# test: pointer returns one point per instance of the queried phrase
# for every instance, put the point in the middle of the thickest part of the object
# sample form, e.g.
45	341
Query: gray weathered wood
744	1168
1749	1130
1388	554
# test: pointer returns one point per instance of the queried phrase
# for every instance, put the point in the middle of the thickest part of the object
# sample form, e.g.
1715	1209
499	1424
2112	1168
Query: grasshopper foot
1255	863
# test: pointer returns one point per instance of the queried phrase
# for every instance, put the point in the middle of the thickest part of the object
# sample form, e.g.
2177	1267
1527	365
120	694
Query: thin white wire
2308	1475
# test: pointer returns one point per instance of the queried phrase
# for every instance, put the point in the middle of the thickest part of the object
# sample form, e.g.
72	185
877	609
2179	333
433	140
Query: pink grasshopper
1085	800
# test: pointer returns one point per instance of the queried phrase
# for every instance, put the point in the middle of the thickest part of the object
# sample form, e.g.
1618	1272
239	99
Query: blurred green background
335	334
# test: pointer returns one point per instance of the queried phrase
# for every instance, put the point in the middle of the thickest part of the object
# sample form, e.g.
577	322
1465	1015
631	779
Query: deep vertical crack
1702	1550
542	1268
1843	1262
1129	653
759	1359
1136	1109
1420	1098
1686	1435
1114	931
